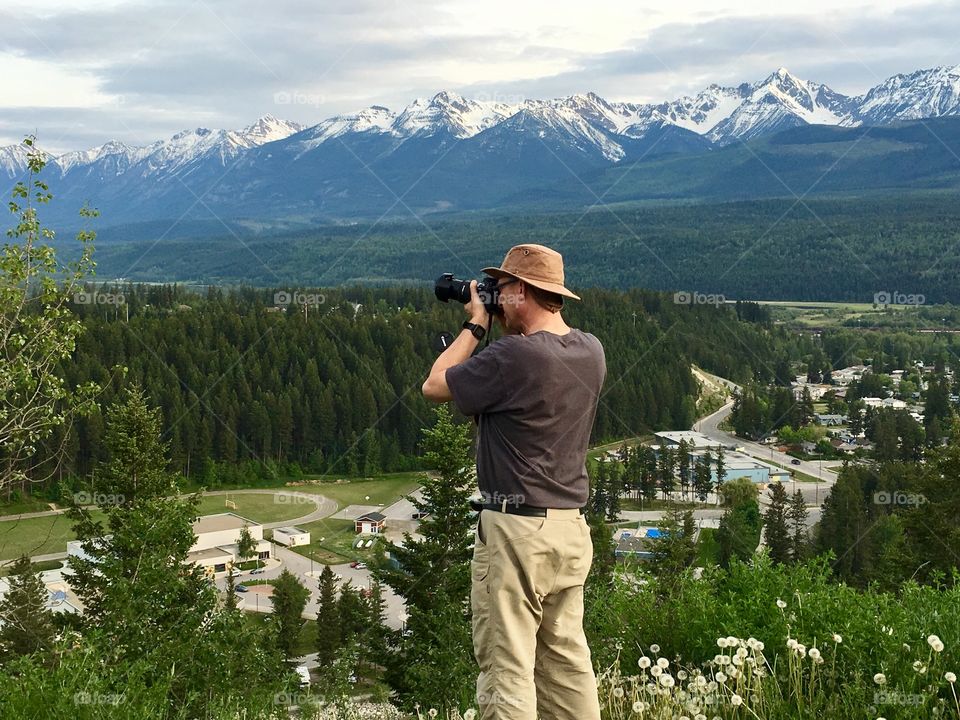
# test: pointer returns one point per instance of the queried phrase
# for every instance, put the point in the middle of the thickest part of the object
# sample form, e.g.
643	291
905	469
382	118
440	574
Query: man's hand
475	309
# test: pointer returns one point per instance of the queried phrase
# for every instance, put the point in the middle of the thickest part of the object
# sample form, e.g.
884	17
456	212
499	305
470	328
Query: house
370	523
291	536
830	420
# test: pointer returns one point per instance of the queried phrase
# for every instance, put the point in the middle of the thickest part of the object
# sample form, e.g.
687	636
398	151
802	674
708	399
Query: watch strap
478	331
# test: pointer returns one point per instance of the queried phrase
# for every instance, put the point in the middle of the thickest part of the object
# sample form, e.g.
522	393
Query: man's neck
551	322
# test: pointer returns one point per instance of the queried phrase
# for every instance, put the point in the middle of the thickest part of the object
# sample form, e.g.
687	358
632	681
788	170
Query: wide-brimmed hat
535	264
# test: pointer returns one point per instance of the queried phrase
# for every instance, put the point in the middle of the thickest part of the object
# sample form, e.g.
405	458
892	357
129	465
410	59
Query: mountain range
451	153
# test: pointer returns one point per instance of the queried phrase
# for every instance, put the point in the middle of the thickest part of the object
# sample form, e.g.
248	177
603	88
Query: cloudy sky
82	72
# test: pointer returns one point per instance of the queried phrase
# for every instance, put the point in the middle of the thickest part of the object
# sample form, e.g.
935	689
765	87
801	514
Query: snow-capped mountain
778	102
921	94
473	150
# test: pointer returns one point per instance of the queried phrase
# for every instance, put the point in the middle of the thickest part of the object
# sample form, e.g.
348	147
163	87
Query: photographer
534	395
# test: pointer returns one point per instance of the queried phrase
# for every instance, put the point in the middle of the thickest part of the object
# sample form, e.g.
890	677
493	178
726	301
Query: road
709	426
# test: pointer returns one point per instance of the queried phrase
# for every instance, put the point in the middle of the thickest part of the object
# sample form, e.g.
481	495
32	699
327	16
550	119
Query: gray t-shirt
535	398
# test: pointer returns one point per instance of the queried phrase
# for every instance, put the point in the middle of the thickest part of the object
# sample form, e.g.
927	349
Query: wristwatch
478	330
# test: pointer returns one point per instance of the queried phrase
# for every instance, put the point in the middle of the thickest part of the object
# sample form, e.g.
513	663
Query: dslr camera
448	288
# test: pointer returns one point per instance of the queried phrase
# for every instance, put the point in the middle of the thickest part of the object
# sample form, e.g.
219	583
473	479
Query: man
534	396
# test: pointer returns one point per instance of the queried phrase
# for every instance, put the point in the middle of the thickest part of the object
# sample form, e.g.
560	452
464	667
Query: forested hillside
246	389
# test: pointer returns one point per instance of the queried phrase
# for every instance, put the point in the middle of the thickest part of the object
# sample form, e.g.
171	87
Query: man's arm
435	387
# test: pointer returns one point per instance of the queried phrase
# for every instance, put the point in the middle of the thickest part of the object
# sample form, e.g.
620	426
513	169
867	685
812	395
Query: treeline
822	249
248	392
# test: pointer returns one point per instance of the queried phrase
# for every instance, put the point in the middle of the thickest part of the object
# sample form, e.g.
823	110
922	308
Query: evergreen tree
614	486
675	549
289	600
703	476
683	466
328	620
776	532
435	665
666	479
27	624
797	515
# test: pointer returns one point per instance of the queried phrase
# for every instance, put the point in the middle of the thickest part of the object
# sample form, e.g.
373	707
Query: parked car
358	565
235	572
795	461
420	515
258	571
242	588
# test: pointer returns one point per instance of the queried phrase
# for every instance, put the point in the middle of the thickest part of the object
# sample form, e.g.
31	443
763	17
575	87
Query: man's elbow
435	388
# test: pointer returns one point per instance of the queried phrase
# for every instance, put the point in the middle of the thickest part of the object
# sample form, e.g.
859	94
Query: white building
216	548
694	440
291	536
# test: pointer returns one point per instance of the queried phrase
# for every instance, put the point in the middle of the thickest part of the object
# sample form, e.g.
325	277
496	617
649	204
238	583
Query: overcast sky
82	72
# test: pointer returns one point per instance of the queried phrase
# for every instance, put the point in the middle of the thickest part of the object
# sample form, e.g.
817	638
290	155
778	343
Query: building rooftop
221	521
290	530
209	554
692	438
374	516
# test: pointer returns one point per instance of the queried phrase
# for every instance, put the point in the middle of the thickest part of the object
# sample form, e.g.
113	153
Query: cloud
138	71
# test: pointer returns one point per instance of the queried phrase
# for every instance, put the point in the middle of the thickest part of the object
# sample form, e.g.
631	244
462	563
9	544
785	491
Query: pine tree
614	488
797	515
328	620
703	476
776	532
675	549
683	466
27	624
289	600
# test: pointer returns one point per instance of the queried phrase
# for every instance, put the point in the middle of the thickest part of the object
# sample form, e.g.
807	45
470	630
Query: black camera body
448	288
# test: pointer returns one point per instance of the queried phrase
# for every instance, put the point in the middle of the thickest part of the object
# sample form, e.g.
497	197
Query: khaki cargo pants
527	601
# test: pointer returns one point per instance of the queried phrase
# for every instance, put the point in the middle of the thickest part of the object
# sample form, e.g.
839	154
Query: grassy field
256	507
708	551
385	489
331	542
35	536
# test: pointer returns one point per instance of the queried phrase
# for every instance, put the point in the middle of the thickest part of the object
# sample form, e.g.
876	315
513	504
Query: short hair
544	298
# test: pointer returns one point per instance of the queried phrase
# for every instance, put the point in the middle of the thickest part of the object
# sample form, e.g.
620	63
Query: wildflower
681	674
654	648
663	663
432	712
732	641
919	667
880	678
721	678
736	700
791	643
781	604
814	654
667	680
470	714
644	662
656	670
721	642
638	706
837	638
950	677
801	649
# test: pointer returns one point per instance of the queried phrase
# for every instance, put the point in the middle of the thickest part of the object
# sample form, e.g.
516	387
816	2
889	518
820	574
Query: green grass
386	489
708	551
23	504
336	547
257	507
36	536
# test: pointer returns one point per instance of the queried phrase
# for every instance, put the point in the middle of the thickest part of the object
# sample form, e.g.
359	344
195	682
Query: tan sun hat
535	264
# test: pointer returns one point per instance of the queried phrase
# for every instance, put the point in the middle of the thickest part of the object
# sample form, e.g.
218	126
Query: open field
331	542
257	507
